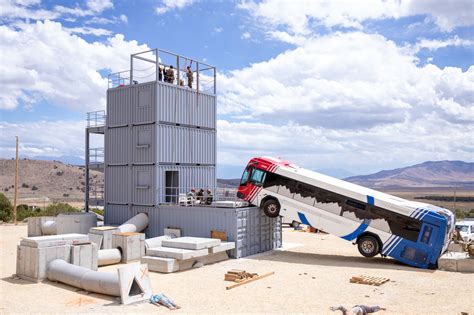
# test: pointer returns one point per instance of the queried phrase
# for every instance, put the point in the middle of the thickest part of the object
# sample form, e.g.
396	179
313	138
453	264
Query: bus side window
258	176
425	238
245	177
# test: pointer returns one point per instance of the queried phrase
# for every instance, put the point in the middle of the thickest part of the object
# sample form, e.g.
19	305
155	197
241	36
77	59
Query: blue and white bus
411	232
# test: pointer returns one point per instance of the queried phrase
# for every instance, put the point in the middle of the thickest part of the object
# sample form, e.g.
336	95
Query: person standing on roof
189	74
170	74
160	73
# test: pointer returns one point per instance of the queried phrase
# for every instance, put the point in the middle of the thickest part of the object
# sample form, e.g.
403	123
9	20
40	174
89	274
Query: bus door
422	252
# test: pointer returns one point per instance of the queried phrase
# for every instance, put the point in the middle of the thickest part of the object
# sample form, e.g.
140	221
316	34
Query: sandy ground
310	275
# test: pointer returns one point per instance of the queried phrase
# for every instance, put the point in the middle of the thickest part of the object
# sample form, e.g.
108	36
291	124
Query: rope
143	69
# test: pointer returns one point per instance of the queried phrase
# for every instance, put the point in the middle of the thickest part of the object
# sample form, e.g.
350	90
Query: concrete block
75	222
193	243
96	239
32	263
453	247
106	232
160	264
54	240
135	285
450	261
169	265
224	246
466	265
176	253
132	245
174	233
84	255
156	241
35	223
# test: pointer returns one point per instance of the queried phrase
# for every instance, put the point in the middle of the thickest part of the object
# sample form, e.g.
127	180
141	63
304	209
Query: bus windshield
245	177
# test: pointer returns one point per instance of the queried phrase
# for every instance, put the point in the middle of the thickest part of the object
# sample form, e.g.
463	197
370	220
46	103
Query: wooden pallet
370	280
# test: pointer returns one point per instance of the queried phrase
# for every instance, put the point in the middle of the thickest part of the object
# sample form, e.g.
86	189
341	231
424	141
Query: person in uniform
170	74
189	75
160	73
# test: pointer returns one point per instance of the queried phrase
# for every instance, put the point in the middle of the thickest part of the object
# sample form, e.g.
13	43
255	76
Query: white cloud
347	99
299	19
168	5
63	72
89	31
218	29
435	44
124	18
99	5
246	35
51	138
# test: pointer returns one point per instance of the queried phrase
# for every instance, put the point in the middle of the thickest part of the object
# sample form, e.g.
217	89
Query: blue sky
328	85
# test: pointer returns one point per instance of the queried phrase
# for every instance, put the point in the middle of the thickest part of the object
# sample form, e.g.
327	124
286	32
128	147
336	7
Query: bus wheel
368	246
271	208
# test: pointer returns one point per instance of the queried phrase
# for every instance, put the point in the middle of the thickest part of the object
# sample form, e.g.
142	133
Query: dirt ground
311	275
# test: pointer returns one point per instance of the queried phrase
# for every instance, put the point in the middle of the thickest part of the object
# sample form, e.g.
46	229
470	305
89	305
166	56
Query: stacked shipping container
158	135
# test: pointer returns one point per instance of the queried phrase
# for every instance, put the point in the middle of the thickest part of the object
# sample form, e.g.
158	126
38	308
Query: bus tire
368	246
271	208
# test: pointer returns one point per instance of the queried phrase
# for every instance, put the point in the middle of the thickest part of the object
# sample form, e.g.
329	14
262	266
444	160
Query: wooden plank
249	280
222	235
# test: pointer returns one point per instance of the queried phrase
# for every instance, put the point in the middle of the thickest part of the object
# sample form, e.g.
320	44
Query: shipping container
143	185
154	102
144	144
186	145
118	106
115	215
118	184
118	146
153	217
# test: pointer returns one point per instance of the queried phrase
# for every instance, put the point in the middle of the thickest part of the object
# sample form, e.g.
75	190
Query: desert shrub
24	211
60	173
6	209
65	195
5	189
34	188
24	185
459	214
57	208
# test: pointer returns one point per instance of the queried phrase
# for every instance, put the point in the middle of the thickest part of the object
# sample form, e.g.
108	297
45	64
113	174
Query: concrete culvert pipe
109	256
136	224
49	228
83	278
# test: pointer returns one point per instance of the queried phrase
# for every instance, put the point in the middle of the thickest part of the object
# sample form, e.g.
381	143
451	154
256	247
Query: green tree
57	208
6	209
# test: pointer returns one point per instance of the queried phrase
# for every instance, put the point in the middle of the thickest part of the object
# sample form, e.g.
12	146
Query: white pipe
86	279
49	228
109	256
135	224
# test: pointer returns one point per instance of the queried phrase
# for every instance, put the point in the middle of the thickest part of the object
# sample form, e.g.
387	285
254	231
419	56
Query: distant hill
38	179
427	174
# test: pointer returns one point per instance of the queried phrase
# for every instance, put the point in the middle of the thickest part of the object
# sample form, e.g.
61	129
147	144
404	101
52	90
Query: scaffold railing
96	118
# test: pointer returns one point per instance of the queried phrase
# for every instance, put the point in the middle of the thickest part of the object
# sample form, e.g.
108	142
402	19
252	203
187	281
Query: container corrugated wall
143	103
117	146
144	144
188	177
118	184
118	106
186	145
143	185
252	231
180	105
117	214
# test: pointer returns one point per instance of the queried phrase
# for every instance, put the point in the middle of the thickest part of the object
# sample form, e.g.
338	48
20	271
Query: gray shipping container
158	102
252	231
147	184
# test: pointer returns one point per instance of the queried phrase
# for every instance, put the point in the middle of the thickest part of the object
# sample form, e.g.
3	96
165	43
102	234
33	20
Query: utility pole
16	183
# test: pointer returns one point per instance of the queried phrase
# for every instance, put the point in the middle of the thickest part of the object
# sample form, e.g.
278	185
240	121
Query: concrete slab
160	264
224	246
450	261
466	265
191	243
156	241
54	240
453	247
169	265
176	253
174	233
75	222
135	284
